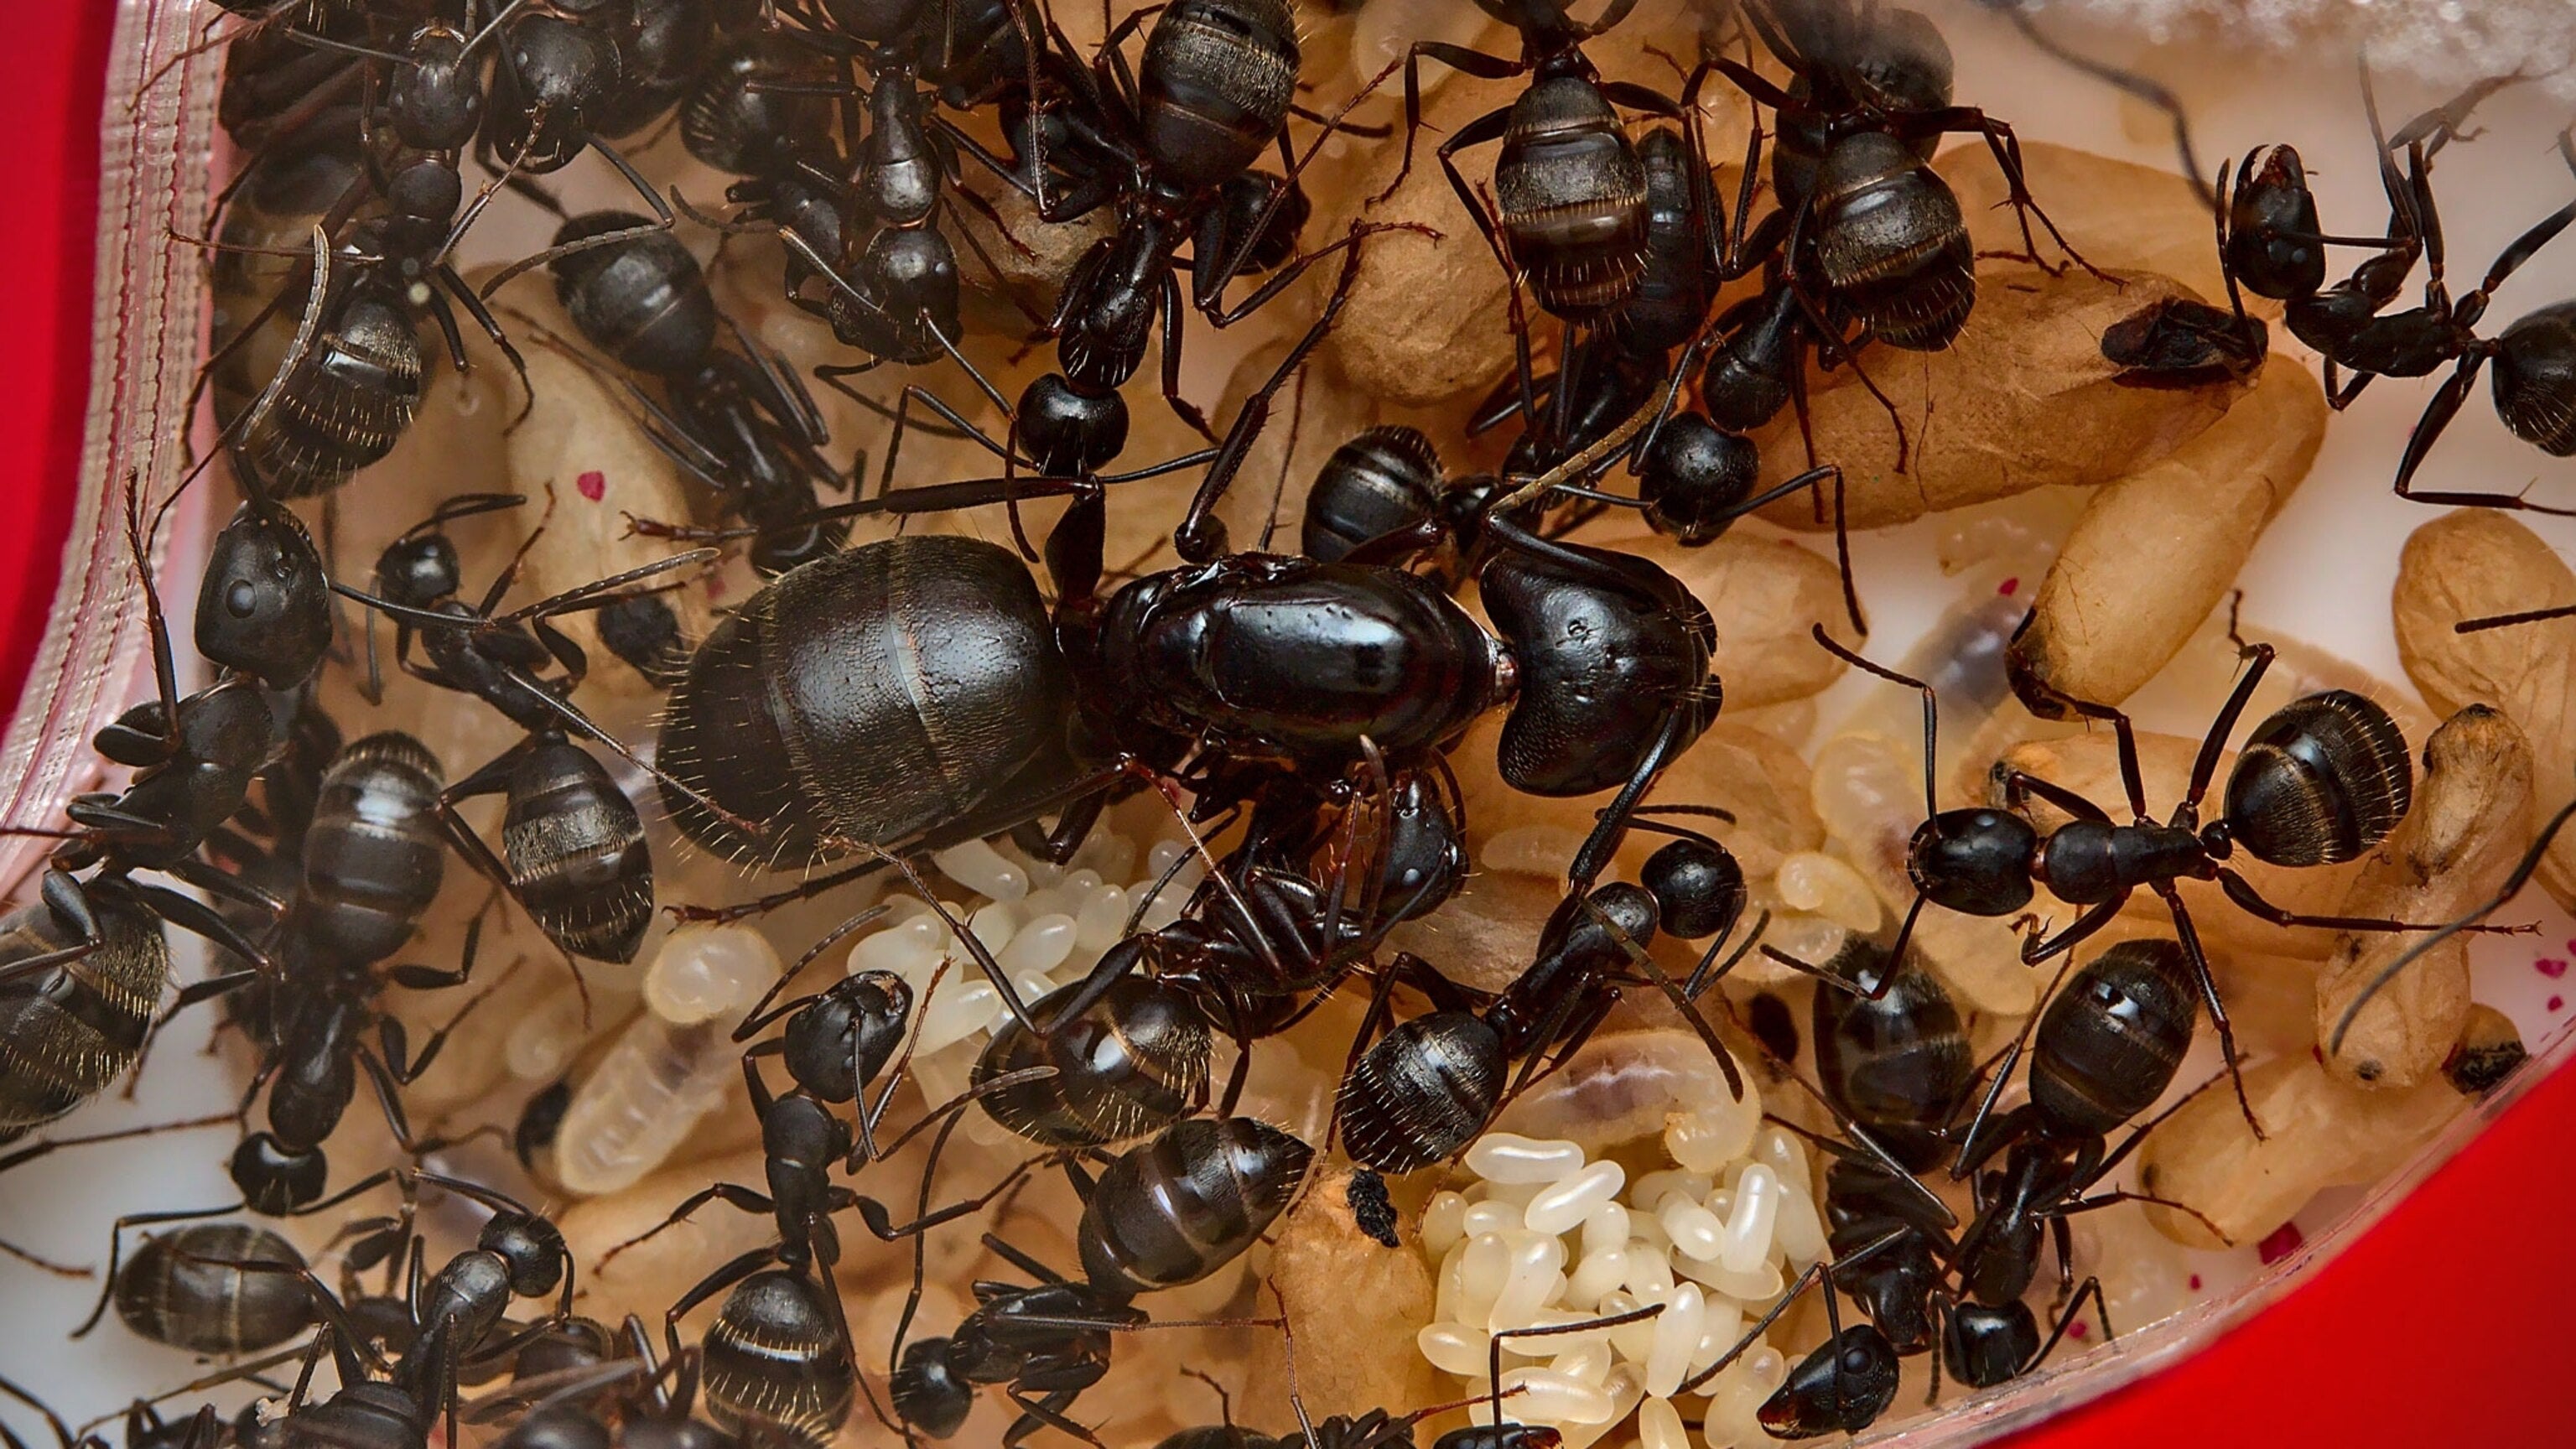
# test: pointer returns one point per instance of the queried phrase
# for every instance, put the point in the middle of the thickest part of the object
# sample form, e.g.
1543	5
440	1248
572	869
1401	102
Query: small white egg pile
1544	1237
1045	925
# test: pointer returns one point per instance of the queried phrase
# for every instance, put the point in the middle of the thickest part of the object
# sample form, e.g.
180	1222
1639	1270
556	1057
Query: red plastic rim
2444	1324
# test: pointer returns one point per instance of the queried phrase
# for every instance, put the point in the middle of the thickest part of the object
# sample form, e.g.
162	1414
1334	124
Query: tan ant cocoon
2471	817
1434	312
2023	399
2318	1133
2122	216
581	448
1354	1304
2472	564
2155	551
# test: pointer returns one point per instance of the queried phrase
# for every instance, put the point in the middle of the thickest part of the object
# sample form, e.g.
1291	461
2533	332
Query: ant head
842	1041
2272	248
1612	653
436	103
1975	862
532	1248
1065	431
1698	885
928	1392
1843	1385
1696	477
264	608
1423	860
420	570
275	1179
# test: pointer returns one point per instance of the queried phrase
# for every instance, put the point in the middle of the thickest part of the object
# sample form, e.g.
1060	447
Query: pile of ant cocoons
1543	1235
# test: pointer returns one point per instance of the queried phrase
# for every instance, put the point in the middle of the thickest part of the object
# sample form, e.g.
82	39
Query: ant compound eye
241	599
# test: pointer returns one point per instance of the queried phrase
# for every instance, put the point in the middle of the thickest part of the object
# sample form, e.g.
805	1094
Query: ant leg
1710	970
2131	775
1048	1413
1820	1271
994	1086
1487	127
1683	1001
1612	825
492	779
2507	621
2190	937
2002	1067
2242	892
2145	88
1494	1350
2446	404
730	1194
716	1282
873	1213
1200	538
2007	152
2036	948
804	890
394	1042
664	221
2020	788
2074	1309
1931	708
2091	1204
2204	766
1459	58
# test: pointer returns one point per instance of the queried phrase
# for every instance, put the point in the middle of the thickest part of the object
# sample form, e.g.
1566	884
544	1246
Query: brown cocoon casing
2470	821
587	471
2120	215
1429	318
2023	399
1355	1305
2089	764
2154	552
2318	1133
2470	564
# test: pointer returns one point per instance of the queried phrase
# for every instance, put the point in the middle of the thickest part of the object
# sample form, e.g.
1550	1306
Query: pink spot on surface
2556	1002
2281	1244
2195	1282
2075	1329
2550	966
715	587
2009	587
593	485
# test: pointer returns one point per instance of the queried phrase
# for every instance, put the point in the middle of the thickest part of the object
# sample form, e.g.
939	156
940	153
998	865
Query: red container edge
2446	1323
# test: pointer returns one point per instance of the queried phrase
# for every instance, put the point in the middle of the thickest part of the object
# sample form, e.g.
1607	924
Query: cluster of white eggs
1546	1236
